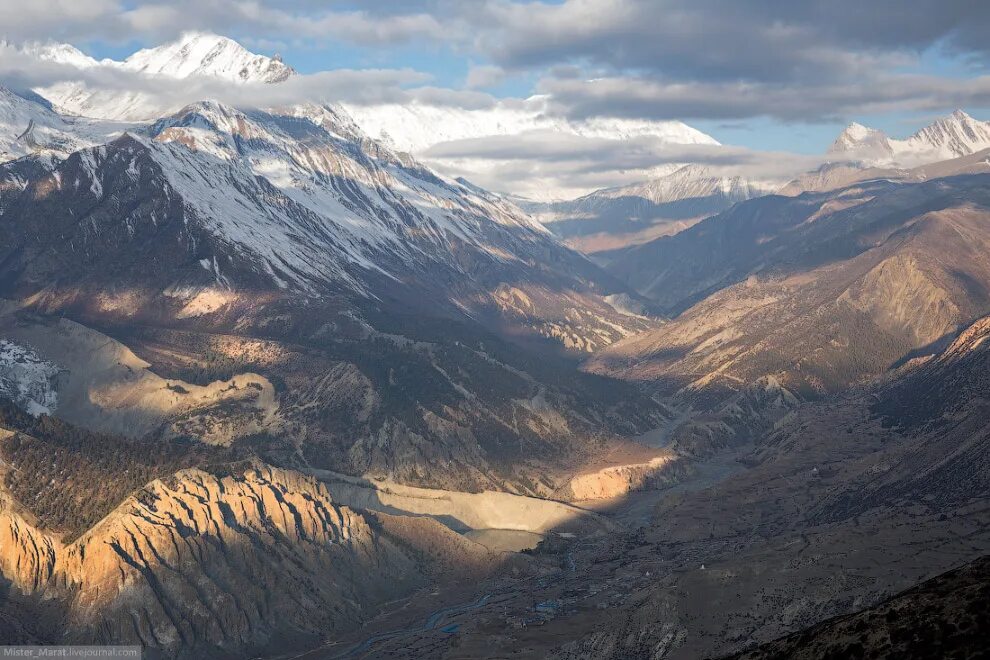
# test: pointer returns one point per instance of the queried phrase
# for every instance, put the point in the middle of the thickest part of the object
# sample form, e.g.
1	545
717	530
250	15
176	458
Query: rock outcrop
198	565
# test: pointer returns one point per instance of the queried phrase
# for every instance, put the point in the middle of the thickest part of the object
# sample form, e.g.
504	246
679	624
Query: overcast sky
759	74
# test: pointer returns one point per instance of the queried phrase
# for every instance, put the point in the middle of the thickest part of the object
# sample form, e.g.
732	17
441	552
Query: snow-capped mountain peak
63	54
955	135
952	136
853	134
206	54
410	127
862	142
195	54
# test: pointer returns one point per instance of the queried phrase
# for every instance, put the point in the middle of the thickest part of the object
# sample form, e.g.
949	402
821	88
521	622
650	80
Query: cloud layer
533	163
809	61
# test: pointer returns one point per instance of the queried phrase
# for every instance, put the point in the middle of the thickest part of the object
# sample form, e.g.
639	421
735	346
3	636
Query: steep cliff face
201	565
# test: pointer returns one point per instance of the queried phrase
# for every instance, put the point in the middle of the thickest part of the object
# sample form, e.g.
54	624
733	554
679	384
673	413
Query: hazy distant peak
957	134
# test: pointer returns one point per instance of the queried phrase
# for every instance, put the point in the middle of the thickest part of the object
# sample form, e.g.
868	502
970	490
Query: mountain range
212	220
270	385
613	218
819	291
404	127
948	137
616	217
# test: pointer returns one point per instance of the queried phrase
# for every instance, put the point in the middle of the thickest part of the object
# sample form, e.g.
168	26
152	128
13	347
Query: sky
769	75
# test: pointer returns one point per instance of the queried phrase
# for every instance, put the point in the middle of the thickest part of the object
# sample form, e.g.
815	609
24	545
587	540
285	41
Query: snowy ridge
194	54
27	379
304	195
691	181
28	127
948	137
416	127
412	128
696	189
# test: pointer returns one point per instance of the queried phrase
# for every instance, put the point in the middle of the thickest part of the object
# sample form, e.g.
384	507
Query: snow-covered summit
952	136
194	55
205	54
856	135
412	127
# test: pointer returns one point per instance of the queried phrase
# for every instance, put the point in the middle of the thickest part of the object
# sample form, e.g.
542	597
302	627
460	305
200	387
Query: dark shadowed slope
945	617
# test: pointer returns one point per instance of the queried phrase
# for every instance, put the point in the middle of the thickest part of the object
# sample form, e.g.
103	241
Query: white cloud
547	164
113	21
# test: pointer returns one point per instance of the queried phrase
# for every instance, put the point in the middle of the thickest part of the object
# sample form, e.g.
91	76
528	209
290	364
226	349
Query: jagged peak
955	118
210	54
60	53
856	132
854	128
211	38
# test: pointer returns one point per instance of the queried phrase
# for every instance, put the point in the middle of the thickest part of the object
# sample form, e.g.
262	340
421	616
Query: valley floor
736	553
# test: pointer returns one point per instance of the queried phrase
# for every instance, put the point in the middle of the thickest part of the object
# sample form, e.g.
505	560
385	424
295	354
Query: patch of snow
27	379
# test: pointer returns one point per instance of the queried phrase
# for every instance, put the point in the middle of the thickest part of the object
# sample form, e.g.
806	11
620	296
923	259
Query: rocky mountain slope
833	511
315	205
945	617
820	291
198	565
384	294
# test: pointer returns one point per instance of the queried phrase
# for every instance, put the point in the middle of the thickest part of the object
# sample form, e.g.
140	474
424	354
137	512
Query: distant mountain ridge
410	127
820	291
29	127
952	136
617	217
